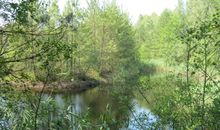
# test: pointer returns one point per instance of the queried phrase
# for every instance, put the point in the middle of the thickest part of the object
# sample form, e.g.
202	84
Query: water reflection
96	100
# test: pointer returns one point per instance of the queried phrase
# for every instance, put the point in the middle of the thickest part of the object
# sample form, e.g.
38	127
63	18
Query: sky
135	8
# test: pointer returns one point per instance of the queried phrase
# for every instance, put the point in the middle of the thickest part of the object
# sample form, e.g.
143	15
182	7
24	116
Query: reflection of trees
102	105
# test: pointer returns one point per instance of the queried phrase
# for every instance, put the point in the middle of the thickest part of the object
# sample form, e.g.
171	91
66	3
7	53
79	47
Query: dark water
95	101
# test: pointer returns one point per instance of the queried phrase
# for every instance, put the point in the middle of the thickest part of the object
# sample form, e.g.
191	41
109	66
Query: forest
92	68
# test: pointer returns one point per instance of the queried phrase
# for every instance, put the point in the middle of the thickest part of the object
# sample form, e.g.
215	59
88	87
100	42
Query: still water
95	102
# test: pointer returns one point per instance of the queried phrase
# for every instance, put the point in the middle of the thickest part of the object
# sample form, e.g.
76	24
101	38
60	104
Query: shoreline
58	87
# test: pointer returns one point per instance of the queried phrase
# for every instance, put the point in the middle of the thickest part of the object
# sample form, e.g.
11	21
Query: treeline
161	36
37	40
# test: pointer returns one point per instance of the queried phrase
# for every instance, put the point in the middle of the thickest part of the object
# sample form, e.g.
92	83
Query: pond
95	102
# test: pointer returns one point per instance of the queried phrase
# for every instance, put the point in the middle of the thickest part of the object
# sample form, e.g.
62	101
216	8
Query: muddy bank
58	87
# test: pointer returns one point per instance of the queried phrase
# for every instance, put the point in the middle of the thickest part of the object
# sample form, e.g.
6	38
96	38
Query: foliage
39	43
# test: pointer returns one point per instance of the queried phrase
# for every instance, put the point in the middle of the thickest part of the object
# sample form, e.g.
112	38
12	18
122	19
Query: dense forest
169	61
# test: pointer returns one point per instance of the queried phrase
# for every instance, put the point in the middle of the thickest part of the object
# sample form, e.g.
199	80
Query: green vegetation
171	60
